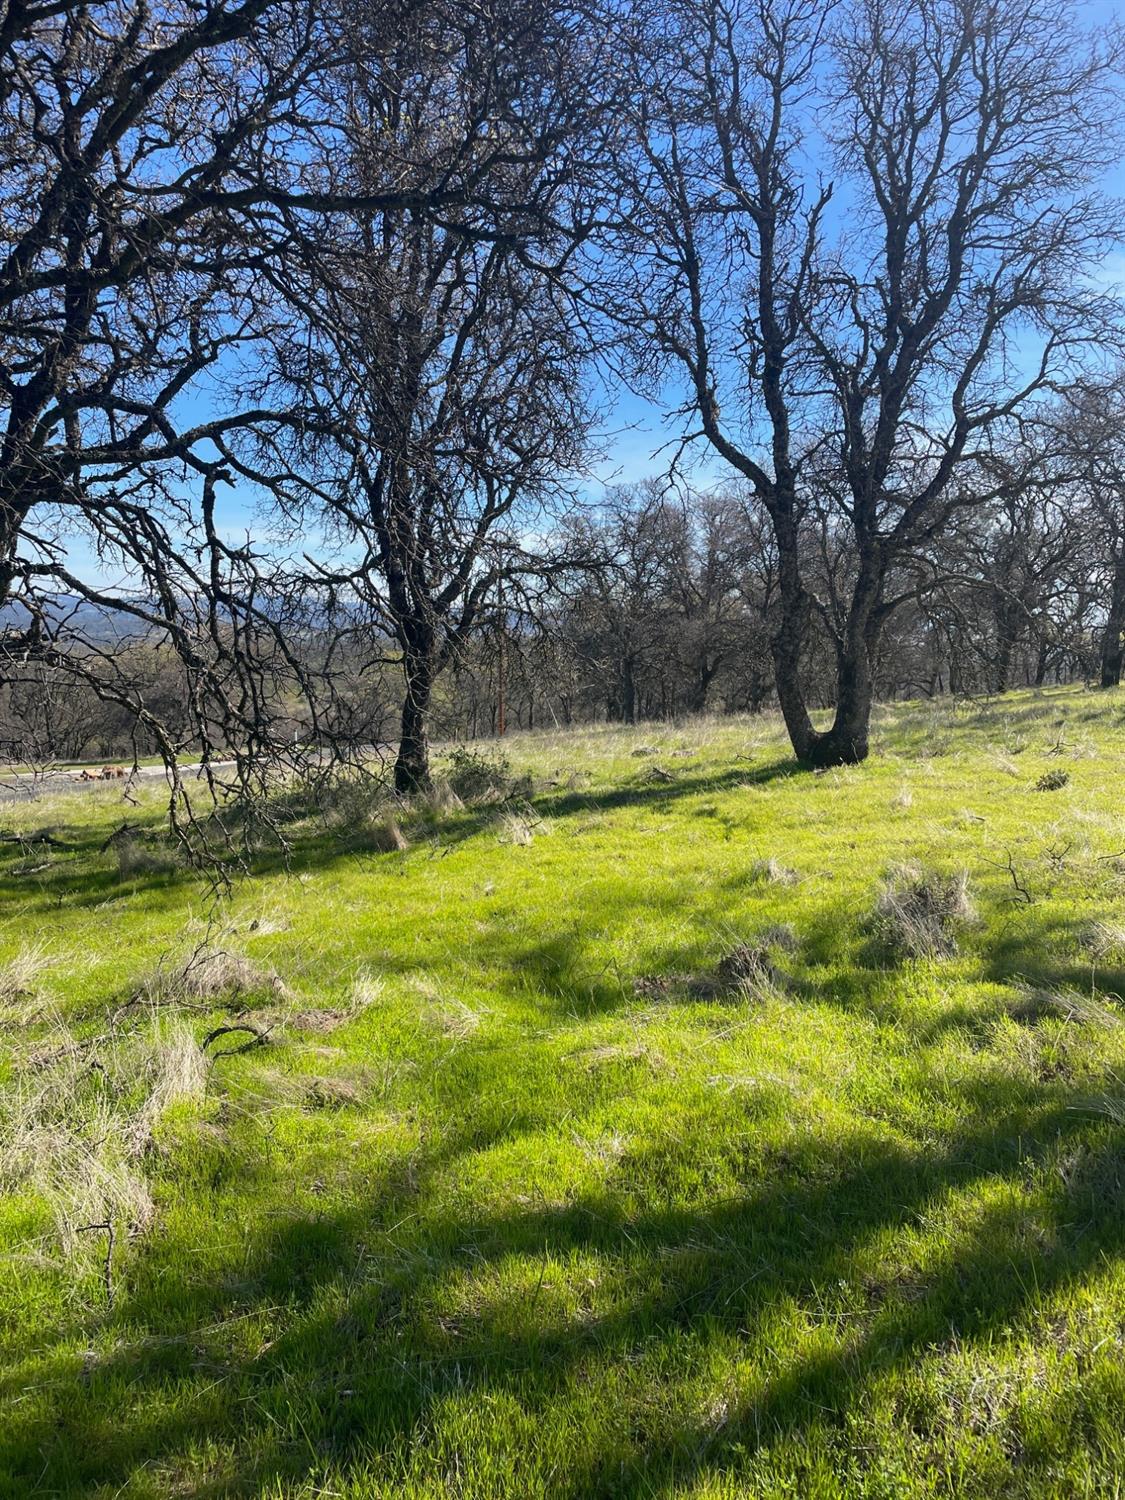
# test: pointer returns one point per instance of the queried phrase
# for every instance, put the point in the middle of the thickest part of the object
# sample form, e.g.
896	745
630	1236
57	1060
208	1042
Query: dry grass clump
440	800
902	799
79	1117
452	1018
514	828
136	859
1105	941
627	1054
747	967
19	974
1032	1005
919	913
331	1093
457	1021
771	870
207	973
365	991
173	1067
1007	765
383	835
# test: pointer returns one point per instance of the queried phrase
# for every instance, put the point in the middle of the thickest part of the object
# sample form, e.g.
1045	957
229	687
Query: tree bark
1113	646
412	766
628	692
846	742
788	640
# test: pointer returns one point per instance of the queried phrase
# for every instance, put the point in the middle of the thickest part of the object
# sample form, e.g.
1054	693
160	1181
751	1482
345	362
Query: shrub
1052	781
478	775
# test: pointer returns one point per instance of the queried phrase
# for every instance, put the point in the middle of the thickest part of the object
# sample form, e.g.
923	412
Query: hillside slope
671	1122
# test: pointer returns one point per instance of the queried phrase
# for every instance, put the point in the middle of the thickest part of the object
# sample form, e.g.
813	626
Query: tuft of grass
1034	1004
384	835
919	913
514	827
135	859
20	974
773	872
80	1117
1053	781
439	801
1105	941
208	972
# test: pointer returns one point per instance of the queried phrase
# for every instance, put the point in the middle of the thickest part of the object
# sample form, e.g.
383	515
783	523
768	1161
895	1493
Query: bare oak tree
861	233
432	368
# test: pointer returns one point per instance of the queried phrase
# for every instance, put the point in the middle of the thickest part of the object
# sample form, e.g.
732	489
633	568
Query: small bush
478	775
1052	781
919	912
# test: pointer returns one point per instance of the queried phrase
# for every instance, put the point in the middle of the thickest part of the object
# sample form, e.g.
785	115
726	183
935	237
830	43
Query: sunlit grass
519	1191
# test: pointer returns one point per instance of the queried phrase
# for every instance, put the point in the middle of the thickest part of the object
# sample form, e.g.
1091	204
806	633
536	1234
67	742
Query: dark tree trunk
788	641
628	692
1008	616
1113	645
847	741
1042	661
701	687
412	767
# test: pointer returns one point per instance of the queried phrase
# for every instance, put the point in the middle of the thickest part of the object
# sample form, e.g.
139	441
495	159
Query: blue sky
635	432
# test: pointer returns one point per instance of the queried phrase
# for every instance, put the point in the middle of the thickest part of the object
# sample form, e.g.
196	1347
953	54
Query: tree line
311	316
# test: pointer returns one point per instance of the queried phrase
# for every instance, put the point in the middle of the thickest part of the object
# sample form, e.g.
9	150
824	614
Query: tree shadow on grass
84	877
368	1342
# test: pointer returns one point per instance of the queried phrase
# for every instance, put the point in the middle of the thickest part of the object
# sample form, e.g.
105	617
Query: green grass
485	1217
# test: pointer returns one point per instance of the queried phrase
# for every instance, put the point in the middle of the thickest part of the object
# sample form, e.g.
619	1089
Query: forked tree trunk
846	742
412	767
1113	644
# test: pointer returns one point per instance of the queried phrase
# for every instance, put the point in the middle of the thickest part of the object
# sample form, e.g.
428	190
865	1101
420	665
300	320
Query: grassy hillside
684	1125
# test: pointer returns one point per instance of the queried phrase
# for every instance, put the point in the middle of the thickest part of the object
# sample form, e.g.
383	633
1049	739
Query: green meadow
661	1120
